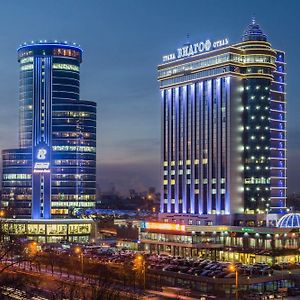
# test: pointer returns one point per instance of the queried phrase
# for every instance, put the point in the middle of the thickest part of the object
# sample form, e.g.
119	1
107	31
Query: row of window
74	148
244	59
16	176
73	114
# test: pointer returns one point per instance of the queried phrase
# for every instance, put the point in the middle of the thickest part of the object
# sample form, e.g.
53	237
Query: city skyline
129	116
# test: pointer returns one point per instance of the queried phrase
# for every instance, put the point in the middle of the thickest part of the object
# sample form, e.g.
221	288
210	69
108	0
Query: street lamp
79	251
139	266
32	248
233	268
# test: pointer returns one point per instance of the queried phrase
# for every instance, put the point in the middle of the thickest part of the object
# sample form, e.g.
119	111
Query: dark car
204	273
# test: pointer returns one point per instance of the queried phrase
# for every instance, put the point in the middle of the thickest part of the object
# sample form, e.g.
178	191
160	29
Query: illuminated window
27	67
26	60
68	67
16	176
74	148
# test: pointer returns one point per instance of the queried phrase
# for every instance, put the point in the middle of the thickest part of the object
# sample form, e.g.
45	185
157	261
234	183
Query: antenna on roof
187	38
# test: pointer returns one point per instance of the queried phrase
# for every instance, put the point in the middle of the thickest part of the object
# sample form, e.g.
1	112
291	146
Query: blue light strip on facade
41	137
278	137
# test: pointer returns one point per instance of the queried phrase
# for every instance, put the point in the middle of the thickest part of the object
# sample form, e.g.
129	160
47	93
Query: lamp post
79	251
32	249
233	268
139	266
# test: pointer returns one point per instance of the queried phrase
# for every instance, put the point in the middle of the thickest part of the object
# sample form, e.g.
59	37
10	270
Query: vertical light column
185	141
201	125
278	125
192	148
41	139
164	150
177	145
219	146
169	147
210	140
173	150
227	178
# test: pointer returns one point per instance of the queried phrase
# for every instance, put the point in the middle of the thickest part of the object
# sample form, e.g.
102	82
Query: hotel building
223	129
54	169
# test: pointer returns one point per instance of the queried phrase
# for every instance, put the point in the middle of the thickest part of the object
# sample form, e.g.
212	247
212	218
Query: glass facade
57	136
73	155
17	181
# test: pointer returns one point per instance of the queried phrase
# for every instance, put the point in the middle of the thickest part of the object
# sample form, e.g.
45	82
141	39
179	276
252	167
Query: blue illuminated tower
54	171
223	128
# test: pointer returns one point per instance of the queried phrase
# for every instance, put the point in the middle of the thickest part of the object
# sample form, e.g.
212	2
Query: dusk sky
123	42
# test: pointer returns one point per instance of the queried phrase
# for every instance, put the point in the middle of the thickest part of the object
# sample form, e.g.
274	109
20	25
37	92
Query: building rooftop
49	43
253	32
43	42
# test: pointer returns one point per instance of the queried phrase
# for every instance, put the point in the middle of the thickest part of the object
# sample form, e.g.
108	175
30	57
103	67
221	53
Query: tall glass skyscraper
54	169
224	127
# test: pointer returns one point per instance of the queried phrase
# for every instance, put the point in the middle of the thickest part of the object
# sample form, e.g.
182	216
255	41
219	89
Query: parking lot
195	267
207	268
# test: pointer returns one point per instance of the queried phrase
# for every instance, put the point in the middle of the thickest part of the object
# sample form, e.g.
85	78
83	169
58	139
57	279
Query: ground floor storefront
50	230
219	253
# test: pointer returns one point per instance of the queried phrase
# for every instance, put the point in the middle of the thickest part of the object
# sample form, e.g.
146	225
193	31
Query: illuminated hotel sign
164	226
248	230
41	166
196	48
66	52
41	155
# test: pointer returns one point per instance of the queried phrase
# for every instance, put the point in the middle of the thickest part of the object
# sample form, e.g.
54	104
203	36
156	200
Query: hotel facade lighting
224	127
54	169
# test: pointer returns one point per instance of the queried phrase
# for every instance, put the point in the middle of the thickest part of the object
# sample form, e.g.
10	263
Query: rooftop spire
187	40
253	32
